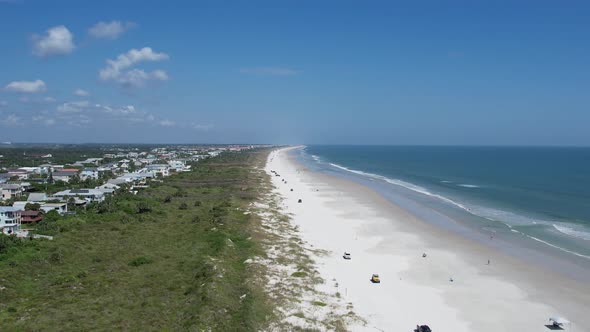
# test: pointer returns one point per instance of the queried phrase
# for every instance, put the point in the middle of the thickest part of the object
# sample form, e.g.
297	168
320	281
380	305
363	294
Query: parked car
375	279
422	328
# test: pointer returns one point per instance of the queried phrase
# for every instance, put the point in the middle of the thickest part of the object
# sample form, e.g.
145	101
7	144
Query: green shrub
143	207
141	260
183	206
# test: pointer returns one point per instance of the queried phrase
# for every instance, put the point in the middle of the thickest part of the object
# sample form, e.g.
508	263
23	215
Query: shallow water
538	209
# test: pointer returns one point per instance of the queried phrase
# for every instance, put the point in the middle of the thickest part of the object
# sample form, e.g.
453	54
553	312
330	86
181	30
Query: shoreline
383	238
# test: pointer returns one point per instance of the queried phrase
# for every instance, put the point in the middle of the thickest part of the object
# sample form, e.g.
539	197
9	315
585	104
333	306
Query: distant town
35	182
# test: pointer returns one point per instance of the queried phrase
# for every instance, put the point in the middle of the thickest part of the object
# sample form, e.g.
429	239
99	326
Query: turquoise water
541	194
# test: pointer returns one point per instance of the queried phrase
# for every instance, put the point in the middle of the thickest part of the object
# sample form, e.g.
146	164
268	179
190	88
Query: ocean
535	198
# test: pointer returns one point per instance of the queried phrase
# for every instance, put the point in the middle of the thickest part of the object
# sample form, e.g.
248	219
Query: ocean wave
551	244
505	217
558	247
406	185
468	186
316	158
572	232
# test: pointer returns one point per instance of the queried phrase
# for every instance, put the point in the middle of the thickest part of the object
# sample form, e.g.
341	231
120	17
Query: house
37	197
178	166
20	205
109	186
89	173
45	169
161	170
89	195
21	174
31	170
10	219
61	208
65	176
28	216
26	186
4	177
10	190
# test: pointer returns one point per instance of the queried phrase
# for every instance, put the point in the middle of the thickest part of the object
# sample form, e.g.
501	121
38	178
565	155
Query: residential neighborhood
28	193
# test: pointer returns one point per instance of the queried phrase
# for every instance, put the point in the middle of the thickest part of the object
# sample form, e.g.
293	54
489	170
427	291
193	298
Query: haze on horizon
289	72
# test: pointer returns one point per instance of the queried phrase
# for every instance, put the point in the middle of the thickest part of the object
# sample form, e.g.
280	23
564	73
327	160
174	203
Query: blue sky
313	72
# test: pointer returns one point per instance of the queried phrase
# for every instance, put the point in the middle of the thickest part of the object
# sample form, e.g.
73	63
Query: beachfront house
178	166
28	216
4	177
160	170
65	175
10	191
89	173
37	197
20	174
109	186
10	219
60	208
89	195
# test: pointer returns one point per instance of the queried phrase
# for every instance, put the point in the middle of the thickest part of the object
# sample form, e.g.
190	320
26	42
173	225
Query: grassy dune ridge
170	258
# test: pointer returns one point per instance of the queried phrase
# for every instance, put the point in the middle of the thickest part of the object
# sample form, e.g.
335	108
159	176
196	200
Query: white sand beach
338	215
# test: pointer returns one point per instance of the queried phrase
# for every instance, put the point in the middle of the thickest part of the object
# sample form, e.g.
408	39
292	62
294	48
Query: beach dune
451	288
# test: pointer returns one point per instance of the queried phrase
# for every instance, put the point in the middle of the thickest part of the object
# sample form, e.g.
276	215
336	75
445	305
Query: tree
33	206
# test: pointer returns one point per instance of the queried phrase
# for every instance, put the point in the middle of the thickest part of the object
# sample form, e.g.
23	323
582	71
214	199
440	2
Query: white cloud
110	30
10	120
272	71
49	100
58	40
104	112
81	93
202	127
160	75
73	107
116	70
44	120
26	86
167	123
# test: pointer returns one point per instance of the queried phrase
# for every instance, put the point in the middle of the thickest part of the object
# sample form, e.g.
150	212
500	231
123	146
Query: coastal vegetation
172	257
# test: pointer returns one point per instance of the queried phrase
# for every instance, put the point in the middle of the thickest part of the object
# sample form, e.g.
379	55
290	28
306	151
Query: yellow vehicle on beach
375	279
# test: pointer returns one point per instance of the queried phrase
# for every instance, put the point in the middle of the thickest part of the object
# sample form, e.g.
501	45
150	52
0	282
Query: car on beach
346	255
375	279
422	328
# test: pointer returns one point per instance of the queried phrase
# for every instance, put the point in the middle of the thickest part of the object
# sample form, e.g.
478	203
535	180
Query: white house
9	219
89	195
10	190
37	197
178	166
162	170
89	173
61	208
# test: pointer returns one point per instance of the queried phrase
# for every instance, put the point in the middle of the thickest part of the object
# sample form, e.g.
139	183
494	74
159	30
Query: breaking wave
505	217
